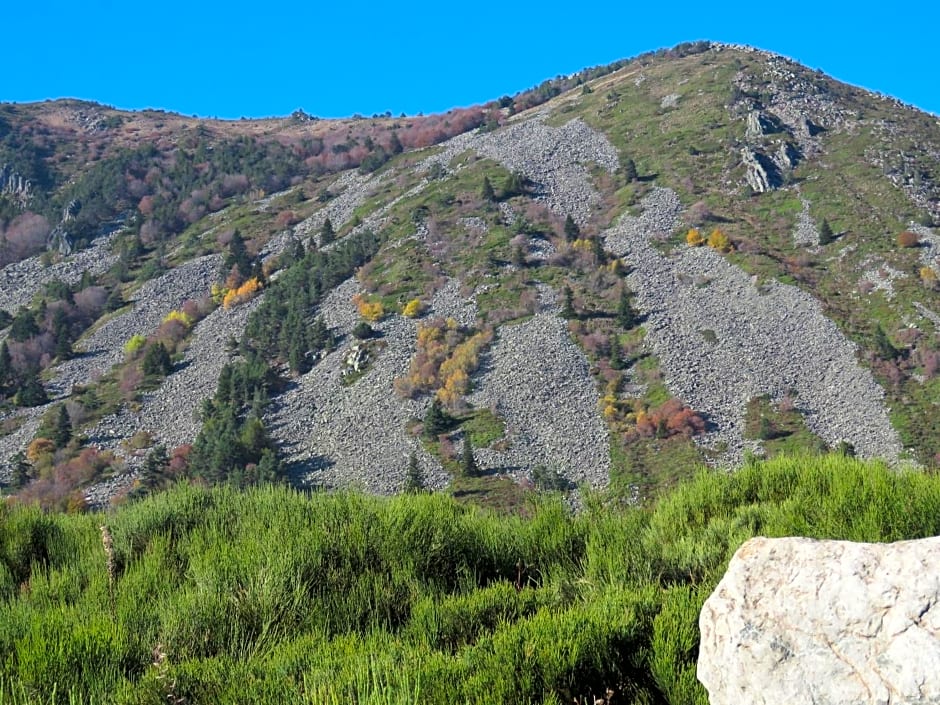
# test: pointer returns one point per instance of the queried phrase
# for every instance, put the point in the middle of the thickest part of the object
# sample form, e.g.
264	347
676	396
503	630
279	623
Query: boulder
797	620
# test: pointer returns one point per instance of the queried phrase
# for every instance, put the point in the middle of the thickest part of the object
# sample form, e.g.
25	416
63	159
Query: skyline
203	61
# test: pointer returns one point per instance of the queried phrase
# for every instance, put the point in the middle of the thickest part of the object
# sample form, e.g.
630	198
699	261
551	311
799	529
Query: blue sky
239	59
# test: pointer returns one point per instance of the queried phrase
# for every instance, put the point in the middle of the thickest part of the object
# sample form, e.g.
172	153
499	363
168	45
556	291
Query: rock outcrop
13	184
802	621
761	173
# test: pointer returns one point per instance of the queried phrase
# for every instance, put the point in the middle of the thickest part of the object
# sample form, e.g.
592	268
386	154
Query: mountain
691	256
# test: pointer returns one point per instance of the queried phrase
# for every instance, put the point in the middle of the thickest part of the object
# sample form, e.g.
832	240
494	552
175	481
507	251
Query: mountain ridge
808	183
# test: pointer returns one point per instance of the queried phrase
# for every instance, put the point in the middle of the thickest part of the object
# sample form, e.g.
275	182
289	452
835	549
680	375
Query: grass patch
271	595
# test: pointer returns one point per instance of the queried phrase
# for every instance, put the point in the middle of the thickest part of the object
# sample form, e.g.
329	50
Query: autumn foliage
694	238
908	239
447	355
241	294
719	241
413	308
369	308
671	419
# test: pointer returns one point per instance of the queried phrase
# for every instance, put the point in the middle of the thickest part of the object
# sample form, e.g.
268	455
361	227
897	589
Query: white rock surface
796	620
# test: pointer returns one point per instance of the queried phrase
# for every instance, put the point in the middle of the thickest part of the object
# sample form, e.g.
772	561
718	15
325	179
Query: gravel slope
770	339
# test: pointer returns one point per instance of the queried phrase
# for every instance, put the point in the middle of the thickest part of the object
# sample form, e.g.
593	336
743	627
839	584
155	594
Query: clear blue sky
334	59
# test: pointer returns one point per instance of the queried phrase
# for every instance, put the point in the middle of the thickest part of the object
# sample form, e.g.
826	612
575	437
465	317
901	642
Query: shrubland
269	595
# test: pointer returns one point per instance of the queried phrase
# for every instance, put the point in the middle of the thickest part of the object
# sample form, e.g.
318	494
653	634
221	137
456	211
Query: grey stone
801	621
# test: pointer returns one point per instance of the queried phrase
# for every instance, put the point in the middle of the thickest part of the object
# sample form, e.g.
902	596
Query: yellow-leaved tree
719	241
694	237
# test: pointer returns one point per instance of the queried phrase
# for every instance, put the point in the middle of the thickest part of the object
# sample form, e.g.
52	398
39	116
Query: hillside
686	257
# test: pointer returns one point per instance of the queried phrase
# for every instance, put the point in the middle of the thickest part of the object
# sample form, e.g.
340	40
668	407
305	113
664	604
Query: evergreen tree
115	300
616	355
238	256
629	169
487	192
515	185
23	326
157	361
394	145
269	467
414	478
626	315
825	233
60	331
327	234
572	231
62	433
436	421
6	364
597	249
567	308
21	470
468	464
155	465
30	392
883	345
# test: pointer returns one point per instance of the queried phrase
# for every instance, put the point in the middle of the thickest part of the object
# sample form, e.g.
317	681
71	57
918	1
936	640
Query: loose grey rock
539	383
769	339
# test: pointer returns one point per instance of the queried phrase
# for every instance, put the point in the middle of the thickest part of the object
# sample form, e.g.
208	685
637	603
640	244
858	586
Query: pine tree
30	392
629	169
468	464
567	308
883	345
515	185
626	315
616	355
238	255
21	470
6	364
825	233
327	234
414	478
436	421
157	361
487	192
62	433
572	231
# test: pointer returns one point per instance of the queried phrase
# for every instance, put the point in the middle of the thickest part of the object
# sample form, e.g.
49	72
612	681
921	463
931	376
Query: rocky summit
688	257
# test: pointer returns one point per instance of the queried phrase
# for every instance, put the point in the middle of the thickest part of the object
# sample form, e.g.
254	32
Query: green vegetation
272	596
780	428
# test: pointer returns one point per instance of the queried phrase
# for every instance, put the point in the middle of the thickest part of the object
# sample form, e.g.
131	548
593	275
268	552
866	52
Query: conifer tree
567	308
238	256
436	421
414	478
626	315
6	364
327	234
825	233
157	361
487	192
616	355
629	169
572	231
62	433
468	464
